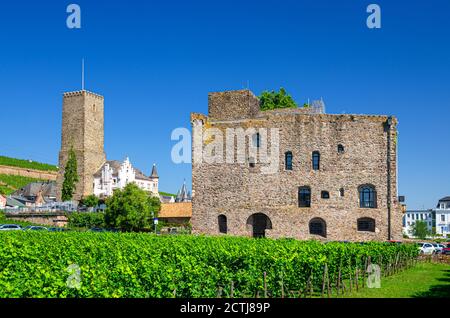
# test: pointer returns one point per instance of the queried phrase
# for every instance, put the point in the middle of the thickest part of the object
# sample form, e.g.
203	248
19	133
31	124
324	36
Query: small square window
325	195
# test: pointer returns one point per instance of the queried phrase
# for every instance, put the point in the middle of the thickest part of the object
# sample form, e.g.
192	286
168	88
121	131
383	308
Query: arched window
367	196
341	192
340	149
304	197
325	195
256	140
366	224
223	226
288	160
316	160
317	226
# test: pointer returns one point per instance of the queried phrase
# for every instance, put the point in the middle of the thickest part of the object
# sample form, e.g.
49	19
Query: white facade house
412	216
442	213
116	175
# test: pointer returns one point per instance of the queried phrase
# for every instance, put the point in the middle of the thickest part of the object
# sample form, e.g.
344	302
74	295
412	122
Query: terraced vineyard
7	161
11	183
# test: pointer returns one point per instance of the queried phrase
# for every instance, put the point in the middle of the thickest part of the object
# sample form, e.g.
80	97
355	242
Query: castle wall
238	190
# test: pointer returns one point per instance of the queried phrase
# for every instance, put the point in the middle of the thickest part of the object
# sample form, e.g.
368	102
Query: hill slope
28	164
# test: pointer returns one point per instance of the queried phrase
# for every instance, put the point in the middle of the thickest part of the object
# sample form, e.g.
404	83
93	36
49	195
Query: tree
274	100
70	177
420	230
131	209
90	201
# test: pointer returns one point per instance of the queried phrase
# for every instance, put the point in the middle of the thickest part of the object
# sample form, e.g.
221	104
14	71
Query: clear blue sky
155	62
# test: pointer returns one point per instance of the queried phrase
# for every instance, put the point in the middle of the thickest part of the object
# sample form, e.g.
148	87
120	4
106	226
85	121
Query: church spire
154	172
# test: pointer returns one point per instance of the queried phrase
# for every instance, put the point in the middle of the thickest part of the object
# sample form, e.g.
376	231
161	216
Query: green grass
423	280
10	183
7	161
167	194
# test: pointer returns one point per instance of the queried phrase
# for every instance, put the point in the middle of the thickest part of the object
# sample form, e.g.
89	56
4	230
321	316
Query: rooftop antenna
82	74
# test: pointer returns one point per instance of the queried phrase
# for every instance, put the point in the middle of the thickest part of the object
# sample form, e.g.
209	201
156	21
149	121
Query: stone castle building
336	178
83	129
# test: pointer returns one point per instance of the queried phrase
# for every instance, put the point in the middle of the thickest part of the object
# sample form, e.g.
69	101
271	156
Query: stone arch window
223	225
325	195
316	160
259	223
256	140
366	224
304	197
318	226
288	160
341	192
340	148
367	196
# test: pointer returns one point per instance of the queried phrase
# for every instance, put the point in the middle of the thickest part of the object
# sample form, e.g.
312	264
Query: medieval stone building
83	130
336	176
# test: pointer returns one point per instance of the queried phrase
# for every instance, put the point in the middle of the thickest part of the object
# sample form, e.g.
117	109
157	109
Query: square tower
82	129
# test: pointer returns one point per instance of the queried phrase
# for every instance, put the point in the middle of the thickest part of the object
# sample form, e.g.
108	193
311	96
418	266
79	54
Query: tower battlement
81	93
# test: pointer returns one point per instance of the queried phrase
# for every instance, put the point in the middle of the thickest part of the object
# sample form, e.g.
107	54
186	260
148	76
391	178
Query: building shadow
439	290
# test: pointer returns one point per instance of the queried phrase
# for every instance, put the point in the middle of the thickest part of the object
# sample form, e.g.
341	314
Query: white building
412	216
116	175
442	213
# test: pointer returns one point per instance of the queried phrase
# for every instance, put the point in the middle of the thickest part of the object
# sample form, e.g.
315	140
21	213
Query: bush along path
86	264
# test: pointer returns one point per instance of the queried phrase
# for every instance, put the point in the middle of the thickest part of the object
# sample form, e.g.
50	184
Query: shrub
86	219
274	100
131	209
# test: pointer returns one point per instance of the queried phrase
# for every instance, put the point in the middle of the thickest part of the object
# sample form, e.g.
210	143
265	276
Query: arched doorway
259	223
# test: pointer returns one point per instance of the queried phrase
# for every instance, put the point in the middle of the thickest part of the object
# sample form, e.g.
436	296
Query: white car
426	249
438	248
10	227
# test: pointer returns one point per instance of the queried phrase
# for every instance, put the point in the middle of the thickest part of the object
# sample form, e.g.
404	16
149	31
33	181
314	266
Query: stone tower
82	129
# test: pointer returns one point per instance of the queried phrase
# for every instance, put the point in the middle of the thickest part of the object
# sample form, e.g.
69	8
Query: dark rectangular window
288	160
316	160
304	197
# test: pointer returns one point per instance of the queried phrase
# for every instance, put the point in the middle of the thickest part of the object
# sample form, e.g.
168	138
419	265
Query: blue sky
155	62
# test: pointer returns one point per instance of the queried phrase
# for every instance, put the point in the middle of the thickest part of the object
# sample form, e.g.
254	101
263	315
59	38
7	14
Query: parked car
57	229
446	249
35	228
438	248
426	248
97	229
10	227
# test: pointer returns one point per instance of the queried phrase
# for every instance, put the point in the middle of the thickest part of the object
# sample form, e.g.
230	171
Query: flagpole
82	74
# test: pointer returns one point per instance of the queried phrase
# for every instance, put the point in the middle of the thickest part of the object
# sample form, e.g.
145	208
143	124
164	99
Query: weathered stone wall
50	219
232	105
238	191
82	128
30	173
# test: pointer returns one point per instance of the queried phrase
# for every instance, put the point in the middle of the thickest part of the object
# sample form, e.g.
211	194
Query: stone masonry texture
239	191
82	129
